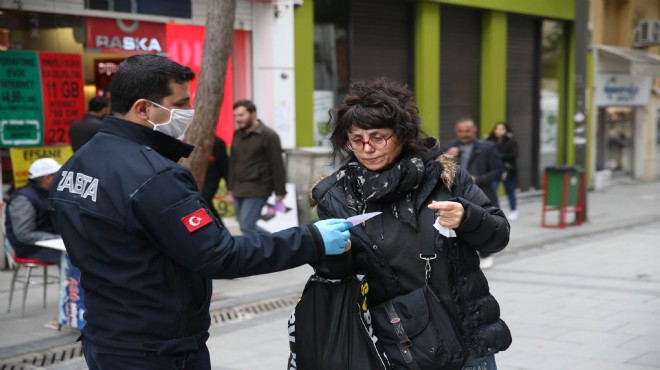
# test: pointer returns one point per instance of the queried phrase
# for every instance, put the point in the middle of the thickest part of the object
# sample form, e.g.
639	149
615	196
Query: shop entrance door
615	140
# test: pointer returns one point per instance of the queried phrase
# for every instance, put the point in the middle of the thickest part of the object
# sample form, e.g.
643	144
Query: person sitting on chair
28	219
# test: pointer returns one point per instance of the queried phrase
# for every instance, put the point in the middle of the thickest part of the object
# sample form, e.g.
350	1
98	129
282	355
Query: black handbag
330	328
415	329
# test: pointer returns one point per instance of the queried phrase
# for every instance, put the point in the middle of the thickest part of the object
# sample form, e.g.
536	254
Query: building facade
494	61
625	88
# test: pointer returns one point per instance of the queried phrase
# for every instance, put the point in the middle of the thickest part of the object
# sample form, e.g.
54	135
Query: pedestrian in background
482	160
84	129
144	239
27	216
217	170
507	146
389	169
256	167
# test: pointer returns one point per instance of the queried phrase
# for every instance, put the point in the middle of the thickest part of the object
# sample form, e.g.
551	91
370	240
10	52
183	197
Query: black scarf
404	186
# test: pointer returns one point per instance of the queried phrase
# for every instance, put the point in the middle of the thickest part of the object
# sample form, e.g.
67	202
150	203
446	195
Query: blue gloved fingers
335	235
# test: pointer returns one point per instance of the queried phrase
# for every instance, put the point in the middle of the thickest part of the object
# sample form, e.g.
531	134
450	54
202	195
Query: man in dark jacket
28	219
145	241
482	160
256	168
218	169
81	131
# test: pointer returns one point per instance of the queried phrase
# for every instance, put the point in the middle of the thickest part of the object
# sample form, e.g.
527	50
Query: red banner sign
64	99
120	36
185	44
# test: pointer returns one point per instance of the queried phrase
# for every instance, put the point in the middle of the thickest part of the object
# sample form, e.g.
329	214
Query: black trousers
108	358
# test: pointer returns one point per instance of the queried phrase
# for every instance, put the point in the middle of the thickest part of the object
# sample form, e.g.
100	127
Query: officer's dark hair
96	104
382	103
247	104
145	76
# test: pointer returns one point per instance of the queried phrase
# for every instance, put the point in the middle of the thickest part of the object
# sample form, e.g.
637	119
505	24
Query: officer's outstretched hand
335	235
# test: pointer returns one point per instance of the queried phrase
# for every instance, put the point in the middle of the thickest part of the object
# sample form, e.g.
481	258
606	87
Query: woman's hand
450	214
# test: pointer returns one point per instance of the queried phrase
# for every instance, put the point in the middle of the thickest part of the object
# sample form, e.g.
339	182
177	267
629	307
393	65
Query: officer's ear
140	108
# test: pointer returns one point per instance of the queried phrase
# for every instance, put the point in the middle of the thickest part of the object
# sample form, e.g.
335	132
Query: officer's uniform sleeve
171	212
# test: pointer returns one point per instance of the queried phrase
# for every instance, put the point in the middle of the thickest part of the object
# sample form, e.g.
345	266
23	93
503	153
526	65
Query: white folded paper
361	218
449	233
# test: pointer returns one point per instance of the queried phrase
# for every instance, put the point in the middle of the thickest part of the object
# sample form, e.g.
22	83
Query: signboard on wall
22	158
622	90
122	36
63	96
41	93
20	99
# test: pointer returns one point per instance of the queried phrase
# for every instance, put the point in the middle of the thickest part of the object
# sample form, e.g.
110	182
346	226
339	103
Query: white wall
273	63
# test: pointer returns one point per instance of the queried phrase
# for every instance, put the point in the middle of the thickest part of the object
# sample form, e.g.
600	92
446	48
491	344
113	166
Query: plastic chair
29	279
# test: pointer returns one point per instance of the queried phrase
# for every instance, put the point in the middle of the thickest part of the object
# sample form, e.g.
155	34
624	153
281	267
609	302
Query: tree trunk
210	86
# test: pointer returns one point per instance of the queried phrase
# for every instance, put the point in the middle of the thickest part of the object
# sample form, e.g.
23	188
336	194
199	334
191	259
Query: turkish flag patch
196	220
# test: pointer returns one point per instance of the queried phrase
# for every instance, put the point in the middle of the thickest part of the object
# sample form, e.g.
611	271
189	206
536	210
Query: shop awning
634	62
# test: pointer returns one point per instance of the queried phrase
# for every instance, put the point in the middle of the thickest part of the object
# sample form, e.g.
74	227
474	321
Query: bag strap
427	217
404	343
427	236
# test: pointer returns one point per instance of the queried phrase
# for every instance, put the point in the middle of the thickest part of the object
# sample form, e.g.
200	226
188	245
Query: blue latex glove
335	234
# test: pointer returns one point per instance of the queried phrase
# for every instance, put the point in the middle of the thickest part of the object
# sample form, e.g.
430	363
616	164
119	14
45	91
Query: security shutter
380	40
523	60
460	67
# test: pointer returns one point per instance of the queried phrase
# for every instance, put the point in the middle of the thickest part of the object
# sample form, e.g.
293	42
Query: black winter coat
390	260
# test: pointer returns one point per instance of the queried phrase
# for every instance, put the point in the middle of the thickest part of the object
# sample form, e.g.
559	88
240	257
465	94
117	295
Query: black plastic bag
330	328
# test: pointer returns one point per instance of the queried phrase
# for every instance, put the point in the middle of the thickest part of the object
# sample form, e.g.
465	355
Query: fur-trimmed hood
447	176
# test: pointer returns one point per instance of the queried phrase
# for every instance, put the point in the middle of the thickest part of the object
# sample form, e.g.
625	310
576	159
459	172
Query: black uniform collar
166	146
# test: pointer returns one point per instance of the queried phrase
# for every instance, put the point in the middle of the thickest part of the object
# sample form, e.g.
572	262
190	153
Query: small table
71	304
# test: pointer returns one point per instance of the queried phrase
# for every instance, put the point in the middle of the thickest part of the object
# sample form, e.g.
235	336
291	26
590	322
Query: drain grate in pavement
39	360
250	310
55	355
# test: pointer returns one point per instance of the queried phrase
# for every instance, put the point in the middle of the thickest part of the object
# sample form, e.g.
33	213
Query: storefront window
330	61
171	8
552	58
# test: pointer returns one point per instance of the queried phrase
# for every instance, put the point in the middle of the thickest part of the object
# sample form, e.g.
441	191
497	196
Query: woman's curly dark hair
382	103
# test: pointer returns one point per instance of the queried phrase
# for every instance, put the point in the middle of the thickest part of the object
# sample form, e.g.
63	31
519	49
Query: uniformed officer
145	241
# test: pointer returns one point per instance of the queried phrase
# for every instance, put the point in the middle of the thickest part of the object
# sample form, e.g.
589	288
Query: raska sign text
128	43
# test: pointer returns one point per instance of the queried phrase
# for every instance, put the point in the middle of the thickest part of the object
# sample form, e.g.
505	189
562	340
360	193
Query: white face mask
177	125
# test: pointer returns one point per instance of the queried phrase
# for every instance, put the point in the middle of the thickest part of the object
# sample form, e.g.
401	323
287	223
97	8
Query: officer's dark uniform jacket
120	204
38	197
386	251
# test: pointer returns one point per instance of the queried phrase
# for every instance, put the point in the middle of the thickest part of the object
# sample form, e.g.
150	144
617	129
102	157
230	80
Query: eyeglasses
376	142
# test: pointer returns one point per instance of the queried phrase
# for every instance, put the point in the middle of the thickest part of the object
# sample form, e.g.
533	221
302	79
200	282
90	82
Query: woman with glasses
386	167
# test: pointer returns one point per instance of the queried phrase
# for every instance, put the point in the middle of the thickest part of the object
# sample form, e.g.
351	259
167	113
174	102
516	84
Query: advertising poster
105	70
20	99
72	305
64	99
22	158
323	101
